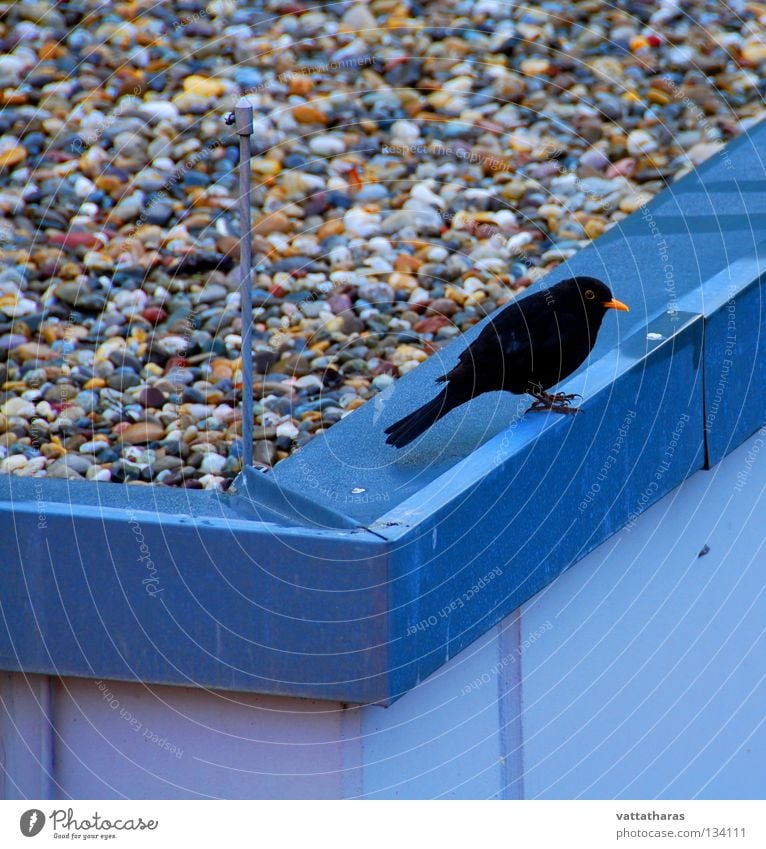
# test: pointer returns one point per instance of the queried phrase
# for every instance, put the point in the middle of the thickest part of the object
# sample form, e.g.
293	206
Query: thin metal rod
244	123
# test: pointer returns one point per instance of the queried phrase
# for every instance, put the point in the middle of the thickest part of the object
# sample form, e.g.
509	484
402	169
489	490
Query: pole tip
243	113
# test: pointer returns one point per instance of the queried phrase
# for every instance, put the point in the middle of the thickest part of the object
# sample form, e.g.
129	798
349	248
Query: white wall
651	681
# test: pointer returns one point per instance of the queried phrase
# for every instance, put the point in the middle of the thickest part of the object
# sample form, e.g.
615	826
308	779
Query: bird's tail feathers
403	432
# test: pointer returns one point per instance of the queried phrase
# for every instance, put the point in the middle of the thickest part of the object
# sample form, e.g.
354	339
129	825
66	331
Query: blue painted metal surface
187	592
735	357
353	570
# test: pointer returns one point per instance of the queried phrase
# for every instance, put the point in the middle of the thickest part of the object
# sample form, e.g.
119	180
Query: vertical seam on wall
510	703
351	752
47	738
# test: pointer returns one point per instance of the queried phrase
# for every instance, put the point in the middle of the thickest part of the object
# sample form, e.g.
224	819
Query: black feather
529	346
411	426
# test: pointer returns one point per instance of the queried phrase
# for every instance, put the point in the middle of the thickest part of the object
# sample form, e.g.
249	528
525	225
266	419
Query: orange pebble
300	85
49	50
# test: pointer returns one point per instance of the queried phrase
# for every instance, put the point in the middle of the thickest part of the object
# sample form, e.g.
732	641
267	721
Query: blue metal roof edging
352	571
137	592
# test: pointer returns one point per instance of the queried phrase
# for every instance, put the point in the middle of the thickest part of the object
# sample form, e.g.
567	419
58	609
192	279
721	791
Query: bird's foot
557	402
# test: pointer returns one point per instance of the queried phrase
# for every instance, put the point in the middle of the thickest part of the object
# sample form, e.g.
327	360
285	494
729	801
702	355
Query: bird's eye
589	294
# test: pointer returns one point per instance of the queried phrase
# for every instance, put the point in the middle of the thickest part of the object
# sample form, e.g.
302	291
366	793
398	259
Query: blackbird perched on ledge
531	345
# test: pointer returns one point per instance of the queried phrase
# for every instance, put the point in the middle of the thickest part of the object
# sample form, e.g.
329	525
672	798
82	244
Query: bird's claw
558	402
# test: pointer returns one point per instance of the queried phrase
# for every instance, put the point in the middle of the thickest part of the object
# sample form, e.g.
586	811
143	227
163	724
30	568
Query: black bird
531	345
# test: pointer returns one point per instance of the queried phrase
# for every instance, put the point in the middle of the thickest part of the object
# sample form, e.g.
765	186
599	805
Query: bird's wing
505	338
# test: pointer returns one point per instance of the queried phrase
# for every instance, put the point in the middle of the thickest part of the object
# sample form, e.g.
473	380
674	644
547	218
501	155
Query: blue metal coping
353	570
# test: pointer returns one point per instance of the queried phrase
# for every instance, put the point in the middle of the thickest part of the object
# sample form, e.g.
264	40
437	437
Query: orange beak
614	304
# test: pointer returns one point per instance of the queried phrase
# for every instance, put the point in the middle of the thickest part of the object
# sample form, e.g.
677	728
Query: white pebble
288	430
174	345
419	296
24	306
438	254
83	187
327	145
160	110
225	414
519	241
45	410
211	482
18	407
340	257
33	468
359	222
13	463
383	381
406	132
640	142
422	193
212	463
197	412
380	245
91	447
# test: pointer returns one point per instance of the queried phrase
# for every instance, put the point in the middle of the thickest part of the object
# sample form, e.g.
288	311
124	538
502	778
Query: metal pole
243	114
